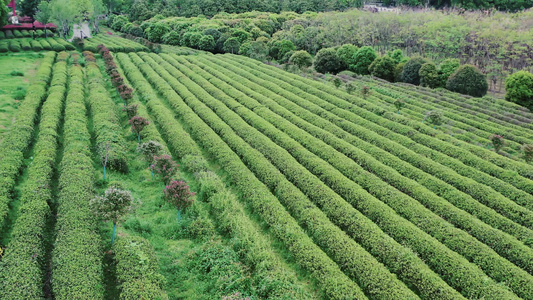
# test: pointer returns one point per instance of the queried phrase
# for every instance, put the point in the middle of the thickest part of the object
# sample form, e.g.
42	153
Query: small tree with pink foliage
137	125
178	193
497	142
165	167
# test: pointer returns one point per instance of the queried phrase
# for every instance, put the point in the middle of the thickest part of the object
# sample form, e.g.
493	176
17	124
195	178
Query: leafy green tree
44	15
64	12
396	55
410	73
4	12
364	57
383	67
241	35
232	45
468	80
347	53
156	31
429	75
29	7
213	32
398	72
519	87
301	59
327	61
113	206
119	22
172	38
279	48
207	43
446	69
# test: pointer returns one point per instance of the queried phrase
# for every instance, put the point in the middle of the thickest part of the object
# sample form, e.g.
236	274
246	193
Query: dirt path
82	31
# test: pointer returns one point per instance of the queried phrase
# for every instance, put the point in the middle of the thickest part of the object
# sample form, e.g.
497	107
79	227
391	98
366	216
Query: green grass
12	85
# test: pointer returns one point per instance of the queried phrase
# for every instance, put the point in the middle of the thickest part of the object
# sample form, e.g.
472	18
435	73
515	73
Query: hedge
9	34
504	244
17	140
137	269
329	277
68	46
21	268
17	34
25	45
14	46
4	46
77	255
342	185
2	35
56	46
36	46
26	33
106	124
274	279
46	45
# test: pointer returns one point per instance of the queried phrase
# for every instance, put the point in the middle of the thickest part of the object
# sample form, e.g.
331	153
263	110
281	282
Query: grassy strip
21	270
18	139
77	255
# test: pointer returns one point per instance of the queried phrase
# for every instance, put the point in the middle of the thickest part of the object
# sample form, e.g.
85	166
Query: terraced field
324	194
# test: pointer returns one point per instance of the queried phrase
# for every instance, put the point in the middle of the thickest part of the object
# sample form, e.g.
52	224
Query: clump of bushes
468	80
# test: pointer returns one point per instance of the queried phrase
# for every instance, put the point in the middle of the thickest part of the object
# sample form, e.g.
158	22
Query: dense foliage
468	80
519	88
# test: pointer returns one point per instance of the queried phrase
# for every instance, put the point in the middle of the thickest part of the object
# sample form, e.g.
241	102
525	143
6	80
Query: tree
429	76
150	150
396	55
528	152
278	48
113	206
383	67
64	13
44	15
156	31
363	59
327	61
104	155
301	59
497	142
365	91
232	45
398	72
399	103
138	123
165	167
131	110
178	193
347	53
98	12
29	7
119	22
468	80
4	12
446	69
410	73
519	87
207	43
337	82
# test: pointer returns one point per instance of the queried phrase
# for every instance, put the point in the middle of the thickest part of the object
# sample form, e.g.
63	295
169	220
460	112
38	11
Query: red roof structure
28	26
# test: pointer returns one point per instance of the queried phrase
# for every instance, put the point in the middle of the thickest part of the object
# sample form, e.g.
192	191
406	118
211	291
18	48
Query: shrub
16	73
156	31
213	32
278	49
528	152
398	72
497	142
36	46
350	88
363	59
25	45
346	53
365	91
446	69
118	22
410	72
14	46
434	117
399	103
131	110
17	34
396	55
327	61
301	59
172	38
429	76
468	80
519	88
150	150
4	47
136	31
165	167
383	67
9	34
207	43
241	35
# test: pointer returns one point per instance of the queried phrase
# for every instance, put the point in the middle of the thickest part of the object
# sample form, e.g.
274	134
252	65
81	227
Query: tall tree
64	13
4	12
44	14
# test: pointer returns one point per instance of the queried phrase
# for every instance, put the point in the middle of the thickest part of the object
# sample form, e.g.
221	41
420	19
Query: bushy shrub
363	58
207	43
396	55
383	67
136	31
528	152
429	75
301	59
241	35
165	167
519	88
410	72
9	34
118	22
4	47
14	46
156	31
25	45
497	142
138	124
278	48
446	69
327	61
347	53
468	80
17	34
172	38
213	32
